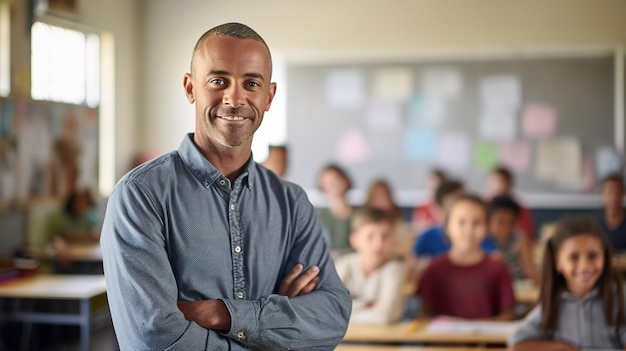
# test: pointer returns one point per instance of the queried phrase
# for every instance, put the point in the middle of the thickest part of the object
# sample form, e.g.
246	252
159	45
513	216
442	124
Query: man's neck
230	161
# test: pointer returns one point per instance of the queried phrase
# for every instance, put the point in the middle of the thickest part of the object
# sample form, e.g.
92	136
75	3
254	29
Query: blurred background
387	89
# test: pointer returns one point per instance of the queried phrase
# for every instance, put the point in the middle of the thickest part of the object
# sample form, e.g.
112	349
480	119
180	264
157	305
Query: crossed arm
214	315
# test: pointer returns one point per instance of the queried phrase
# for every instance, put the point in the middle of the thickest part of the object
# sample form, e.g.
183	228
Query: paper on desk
444	325
345	88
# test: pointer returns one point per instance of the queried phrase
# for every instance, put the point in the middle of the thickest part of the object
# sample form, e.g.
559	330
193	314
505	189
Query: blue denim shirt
176	229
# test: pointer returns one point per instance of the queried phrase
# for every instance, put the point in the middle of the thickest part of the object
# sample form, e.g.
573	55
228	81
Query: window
5	49
65	65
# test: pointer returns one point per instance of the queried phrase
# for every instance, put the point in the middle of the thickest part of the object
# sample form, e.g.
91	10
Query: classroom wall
122	19
297	29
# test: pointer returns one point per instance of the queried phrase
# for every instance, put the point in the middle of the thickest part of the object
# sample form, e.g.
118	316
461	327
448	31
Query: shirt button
240	295
206	184
232	207
237	249
241	335
222	182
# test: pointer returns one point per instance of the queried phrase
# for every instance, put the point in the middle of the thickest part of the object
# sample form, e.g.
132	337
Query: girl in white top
582	301
375	280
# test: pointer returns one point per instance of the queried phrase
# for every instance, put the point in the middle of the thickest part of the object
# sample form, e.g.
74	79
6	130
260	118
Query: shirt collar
591	295
203	170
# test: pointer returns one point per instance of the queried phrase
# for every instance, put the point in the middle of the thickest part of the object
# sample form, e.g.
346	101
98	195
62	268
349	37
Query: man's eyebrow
226	73
254	75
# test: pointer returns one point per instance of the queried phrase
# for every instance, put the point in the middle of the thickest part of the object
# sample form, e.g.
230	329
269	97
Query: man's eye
217	81
253	84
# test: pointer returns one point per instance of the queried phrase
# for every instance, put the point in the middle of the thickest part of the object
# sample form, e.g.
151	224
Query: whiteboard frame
533	200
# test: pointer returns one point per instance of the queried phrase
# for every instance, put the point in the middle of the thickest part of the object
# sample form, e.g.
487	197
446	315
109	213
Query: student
433	241
581	300
501	182
379	195
429	214
334	182
466	282
512	244
374	280
613	217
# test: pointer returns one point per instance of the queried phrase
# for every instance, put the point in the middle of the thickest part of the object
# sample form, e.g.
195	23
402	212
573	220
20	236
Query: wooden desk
415	332
88	291
526	291
365	347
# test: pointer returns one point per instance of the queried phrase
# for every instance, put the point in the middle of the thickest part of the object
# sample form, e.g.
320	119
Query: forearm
310	322
544	345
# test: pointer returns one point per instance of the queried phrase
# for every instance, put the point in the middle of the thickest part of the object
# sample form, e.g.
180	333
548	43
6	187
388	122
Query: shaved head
233	30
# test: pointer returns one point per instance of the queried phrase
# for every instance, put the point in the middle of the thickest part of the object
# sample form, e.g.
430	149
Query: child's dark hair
336	168
74	196
366	215
503	202
464	198
553	283
504	173
615	177
446	188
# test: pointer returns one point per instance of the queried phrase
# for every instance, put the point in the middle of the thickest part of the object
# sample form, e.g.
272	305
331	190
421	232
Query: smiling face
466	226
580	259
502	223
231	89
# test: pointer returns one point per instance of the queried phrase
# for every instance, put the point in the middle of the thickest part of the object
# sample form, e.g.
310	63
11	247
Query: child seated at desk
581	300
514	246
613	216
374	280
433	241
466	282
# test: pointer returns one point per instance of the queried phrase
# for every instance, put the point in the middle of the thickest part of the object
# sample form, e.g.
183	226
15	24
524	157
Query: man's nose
233	96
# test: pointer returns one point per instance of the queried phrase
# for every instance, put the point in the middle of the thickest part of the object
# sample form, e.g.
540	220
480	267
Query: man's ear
270	96
188	85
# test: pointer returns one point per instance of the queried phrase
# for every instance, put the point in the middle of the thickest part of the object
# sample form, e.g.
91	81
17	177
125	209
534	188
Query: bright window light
5	49
65	65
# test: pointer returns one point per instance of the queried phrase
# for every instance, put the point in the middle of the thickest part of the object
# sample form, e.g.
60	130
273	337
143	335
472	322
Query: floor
47	338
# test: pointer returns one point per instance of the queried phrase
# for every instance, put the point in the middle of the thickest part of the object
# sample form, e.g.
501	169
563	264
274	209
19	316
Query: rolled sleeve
315	321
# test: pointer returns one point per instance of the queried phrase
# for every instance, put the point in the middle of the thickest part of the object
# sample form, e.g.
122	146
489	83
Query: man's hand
209	314
297	283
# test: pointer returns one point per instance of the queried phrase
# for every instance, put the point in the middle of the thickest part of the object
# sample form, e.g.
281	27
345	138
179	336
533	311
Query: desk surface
57	287
526	291
361	347
416	332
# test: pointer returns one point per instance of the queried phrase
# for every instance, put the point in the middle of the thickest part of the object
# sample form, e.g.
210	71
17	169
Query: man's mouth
232	118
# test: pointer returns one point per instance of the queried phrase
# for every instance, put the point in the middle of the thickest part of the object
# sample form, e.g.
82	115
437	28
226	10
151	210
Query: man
206	250
500	183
